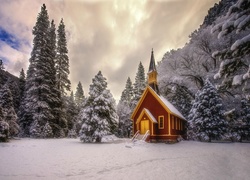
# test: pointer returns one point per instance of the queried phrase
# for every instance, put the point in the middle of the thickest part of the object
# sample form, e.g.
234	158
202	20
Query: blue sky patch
9	39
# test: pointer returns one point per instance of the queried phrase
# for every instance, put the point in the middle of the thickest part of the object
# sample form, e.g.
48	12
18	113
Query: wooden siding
156	109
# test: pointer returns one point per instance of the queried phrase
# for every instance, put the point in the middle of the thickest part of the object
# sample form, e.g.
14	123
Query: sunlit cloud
108	35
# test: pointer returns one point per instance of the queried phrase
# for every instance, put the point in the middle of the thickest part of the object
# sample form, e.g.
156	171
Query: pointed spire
152	74
152	62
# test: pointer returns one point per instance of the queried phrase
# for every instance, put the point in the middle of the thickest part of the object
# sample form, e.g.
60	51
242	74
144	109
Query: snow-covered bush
72	133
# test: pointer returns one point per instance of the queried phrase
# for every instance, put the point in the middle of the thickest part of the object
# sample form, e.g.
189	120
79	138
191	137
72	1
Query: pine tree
59	122
21	84
245	119
99	114
181	98
4	127
62	60
1	73
40	83
71	111
206	119
9	114
124	110
79	95
139	85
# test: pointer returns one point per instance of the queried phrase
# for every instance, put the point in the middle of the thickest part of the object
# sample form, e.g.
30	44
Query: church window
161	122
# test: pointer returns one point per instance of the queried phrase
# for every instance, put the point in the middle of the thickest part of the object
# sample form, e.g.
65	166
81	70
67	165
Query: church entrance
144	126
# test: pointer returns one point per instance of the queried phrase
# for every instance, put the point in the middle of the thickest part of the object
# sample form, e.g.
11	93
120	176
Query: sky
111	36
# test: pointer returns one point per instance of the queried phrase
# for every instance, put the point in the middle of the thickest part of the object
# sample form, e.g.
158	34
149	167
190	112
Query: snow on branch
240	42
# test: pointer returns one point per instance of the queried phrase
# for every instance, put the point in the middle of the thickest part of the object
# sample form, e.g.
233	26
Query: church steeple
152	74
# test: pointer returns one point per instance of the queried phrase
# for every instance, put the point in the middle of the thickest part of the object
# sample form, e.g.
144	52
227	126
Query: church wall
156	109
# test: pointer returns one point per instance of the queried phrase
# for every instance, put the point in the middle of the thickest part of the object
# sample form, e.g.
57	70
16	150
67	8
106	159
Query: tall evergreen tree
181	98
124	110
62	60
245	119
79	95
21	84
71	111
59	122
9	114
99	114
139	85
4	127
206	119
40	83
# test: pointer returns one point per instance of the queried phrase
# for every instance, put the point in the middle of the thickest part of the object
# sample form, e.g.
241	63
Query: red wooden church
155	114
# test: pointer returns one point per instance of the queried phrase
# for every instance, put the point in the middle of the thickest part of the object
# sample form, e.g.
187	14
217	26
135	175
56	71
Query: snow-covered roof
171	107
151	116
164	102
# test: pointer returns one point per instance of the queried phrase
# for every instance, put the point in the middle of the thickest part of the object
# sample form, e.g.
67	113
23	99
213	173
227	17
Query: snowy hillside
71	159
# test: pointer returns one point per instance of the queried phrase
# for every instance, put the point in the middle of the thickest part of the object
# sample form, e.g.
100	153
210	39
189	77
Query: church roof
171	107
152	66
150	115
163	101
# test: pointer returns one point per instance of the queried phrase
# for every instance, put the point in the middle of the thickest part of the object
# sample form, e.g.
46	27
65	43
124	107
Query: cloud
111	36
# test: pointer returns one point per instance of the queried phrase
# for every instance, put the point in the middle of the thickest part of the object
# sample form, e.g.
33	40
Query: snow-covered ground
71	159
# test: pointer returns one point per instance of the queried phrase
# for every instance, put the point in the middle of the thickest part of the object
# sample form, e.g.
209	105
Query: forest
207	80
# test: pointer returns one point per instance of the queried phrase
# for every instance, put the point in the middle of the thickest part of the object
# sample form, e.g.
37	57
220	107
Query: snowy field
70	159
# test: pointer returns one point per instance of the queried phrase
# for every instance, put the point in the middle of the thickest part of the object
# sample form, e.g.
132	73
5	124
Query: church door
144	126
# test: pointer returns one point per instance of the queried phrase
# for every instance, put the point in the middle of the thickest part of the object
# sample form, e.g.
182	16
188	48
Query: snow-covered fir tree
59	121
206	121
181	98
40	93
1	72
4	127
139	85
99	114
124	110
245	119
21	84
9	114
79	95
71	112
62	60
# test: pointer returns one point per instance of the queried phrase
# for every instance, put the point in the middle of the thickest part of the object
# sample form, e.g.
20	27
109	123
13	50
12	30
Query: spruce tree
99	114
9	114
139	85
124	110
1	73
21	84
62	60
40	83
206	119
79	95
59	122
4	127
181	98
71	111
245	119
